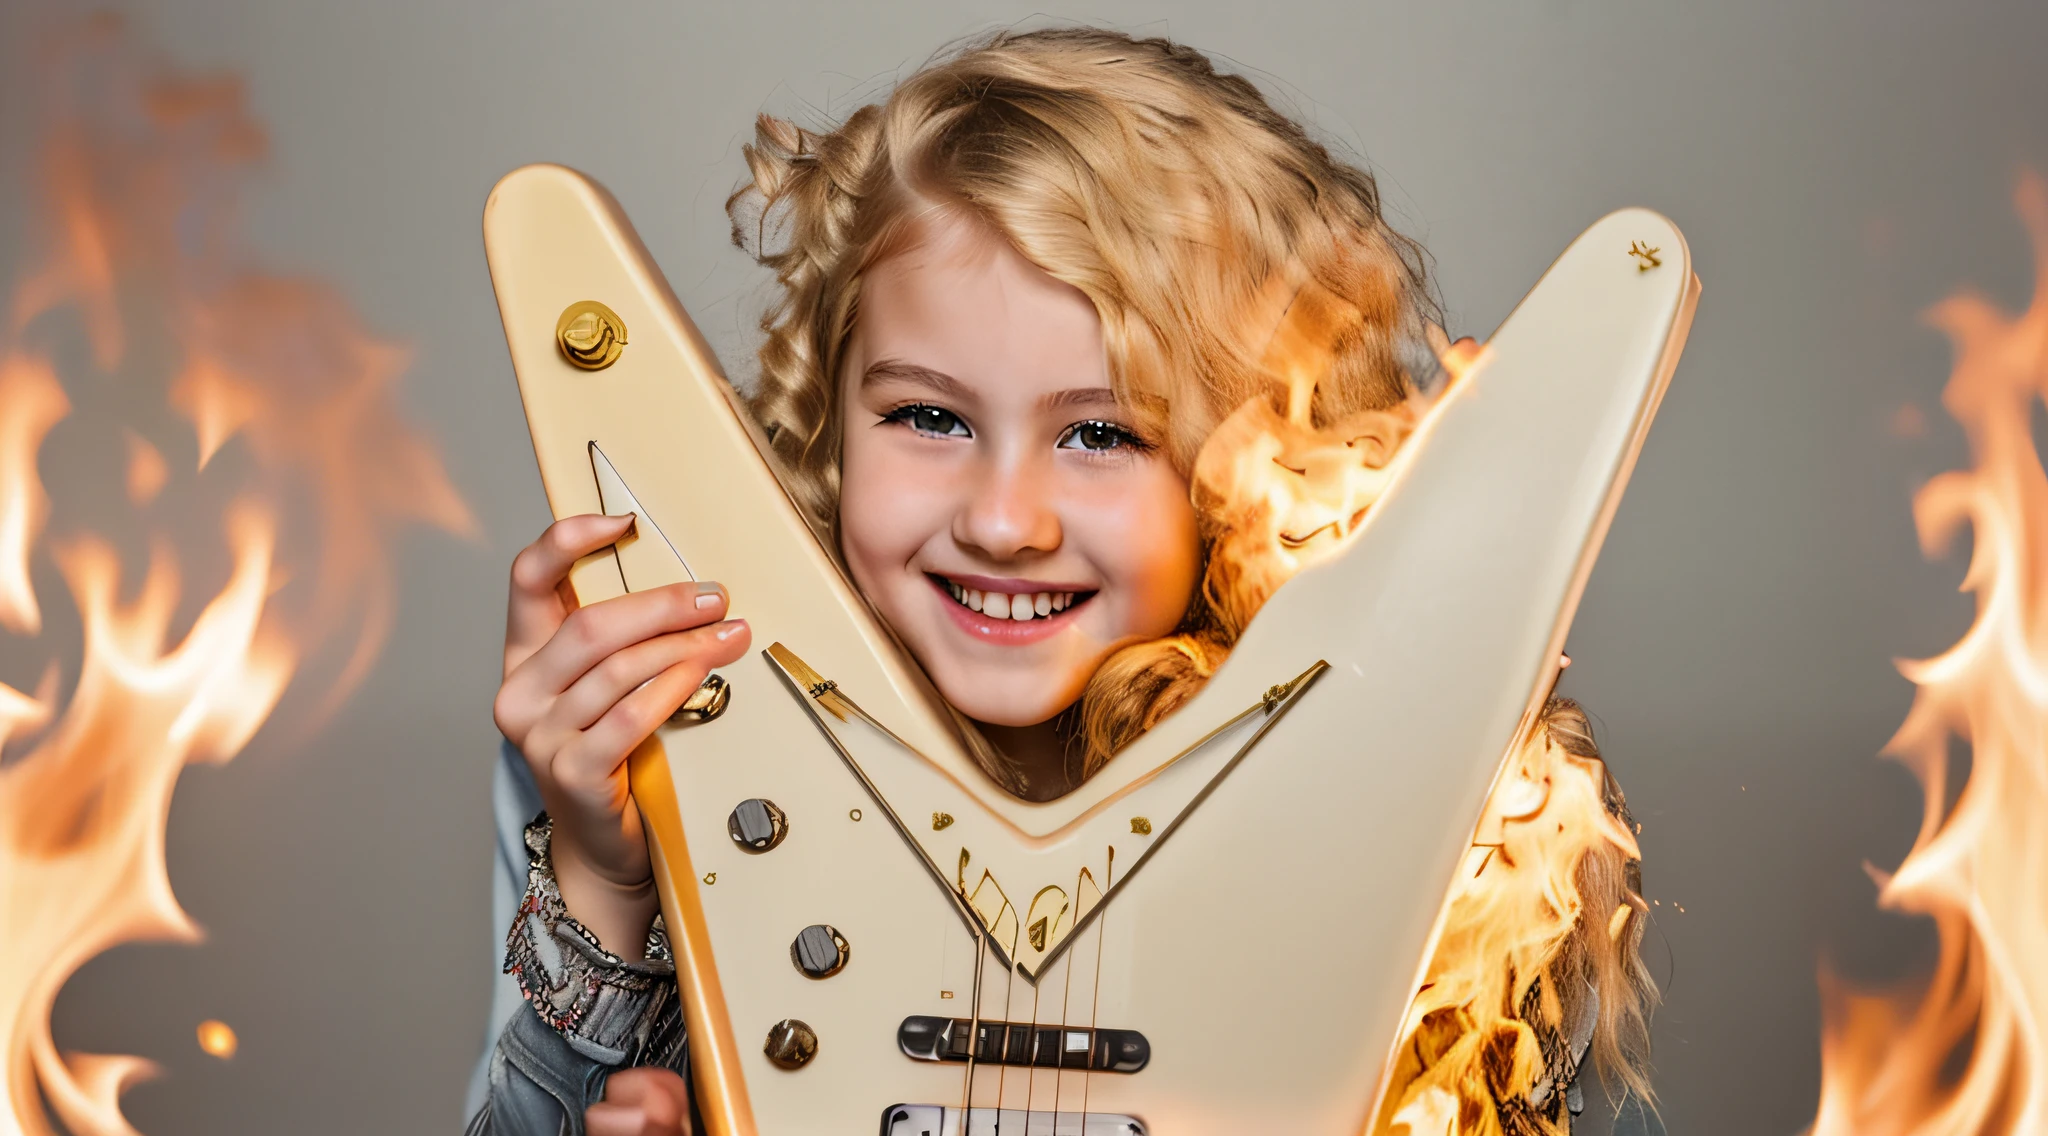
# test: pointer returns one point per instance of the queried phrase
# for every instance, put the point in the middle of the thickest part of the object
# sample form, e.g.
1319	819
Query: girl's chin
992	697
1001	714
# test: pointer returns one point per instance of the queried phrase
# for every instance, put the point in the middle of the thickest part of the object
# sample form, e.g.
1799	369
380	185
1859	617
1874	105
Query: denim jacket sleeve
534	1080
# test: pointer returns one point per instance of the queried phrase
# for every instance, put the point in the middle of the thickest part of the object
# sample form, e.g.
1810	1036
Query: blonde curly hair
1174	196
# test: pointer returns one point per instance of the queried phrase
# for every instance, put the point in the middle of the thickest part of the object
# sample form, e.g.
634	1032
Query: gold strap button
590	335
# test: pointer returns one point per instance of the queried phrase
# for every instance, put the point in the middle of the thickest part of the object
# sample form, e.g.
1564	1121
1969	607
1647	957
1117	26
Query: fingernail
709	593
731	628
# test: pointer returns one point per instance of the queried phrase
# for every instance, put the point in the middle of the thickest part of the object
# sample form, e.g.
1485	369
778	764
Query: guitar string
973	1026
1067	1008
1009	1019
982	1018
974	1030
1031	1051
1009	1001
1059	1069
1059	1036
1031	1078
1095	1002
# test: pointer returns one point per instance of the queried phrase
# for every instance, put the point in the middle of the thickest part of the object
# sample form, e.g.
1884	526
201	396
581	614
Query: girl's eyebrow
1079	397
883	370
939	382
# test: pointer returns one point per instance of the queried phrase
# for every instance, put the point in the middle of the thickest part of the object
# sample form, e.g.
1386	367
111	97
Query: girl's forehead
967	304
942	252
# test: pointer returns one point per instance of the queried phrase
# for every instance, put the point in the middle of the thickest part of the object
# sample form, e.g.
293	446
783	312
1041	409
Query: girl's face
998	507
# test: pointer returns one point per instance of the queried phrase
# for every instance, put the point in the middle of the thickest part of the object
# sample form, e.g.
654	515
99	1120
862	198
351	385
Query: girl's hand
641	1102
582	689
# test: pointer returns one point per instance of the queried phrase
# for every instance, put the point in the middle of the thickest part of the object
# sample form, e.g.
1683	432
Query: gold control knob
590	335
708	701
791	1044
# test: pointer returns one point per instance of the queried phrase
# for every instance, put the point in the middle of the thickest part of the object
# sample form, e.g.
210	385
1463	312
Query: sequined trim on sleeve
610	1010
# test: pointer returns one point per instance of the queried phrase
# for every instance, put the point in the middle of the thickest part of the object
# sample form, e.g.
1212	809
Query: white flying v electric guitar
1217	934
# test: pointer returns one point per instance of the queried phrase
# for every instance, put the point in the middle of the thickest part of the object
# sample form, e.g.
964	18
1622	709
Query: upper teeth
1020	605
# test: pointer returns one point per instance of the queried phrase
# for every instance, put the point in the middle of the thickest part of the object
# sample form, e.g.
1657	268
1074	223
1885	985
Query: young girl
1018	299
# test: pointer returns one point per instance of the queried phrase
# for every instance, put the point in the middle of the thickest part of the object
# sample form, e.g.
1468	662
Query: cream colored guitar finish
1251	888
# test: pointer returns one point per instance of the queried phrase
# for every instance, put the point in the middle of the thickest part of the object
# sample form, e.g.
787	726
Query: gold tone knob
708	701
590	335
791	1044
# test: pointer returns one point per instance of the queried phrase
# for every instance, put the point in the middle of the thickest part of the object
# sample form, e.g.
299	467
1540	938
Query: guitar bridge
936	1120
1023	1043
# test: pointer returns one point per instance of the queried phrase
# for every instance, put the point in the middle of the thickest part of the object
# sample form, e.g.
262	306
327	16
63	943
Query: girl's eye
934	420
1100	437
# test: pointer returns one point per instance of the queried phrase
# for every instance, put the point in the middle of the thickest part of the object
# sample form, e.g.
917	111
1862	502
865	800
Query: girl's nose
1009	511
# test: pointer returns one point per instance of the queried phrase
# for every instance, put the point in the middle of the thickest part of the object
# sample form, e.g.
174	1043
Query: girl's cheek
863	522
1142	538
891	503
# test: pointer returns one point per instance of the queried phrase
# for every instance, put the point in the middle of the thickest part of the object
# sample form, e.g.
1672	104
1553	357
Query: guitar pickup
937	1120
1023	1043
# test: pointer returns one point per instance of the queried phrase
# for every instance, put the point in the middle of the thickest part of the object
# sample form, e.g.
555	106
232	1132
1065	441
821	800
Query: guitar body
1221	931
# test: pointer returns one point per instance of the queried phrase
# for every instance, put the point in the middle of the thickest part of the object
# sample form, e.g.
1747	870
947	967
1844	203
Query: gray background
1837	167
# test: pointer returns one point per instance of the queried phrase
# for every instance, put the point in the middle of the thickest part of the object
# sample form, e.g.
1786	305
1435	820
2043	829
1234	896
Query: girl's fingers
641	1102
592	761
587	765
616	1120
590	634
625	670
538	572
605	745
519	708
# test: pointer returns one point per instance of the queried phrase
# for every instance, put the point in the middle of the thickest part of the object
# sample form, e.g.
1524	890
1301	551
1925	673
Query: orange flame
1286	482
1283	490
138	170
1979	869
82	815
34	402
217	1039
1543	880
147	470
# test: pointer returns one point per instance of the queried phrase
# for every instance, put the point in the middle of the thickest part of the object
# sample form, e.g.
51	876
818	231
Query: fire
83	813
1540	929
218	1039
1893	1062
291	406
1283	490
1539	938
34	401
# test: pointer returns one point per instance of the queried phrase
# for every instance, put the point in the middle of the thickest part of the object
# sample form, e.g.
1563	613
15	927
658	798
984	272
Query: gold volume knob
590	335
708	702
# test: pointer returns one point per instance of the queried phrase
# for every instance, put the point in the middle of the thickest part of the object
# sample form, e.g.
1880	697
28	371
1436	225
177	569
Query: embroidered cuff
606	1008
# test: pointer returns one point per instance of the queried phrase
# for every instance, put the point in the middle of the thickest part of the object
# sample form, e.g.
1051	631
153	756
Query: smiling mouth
1019	607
